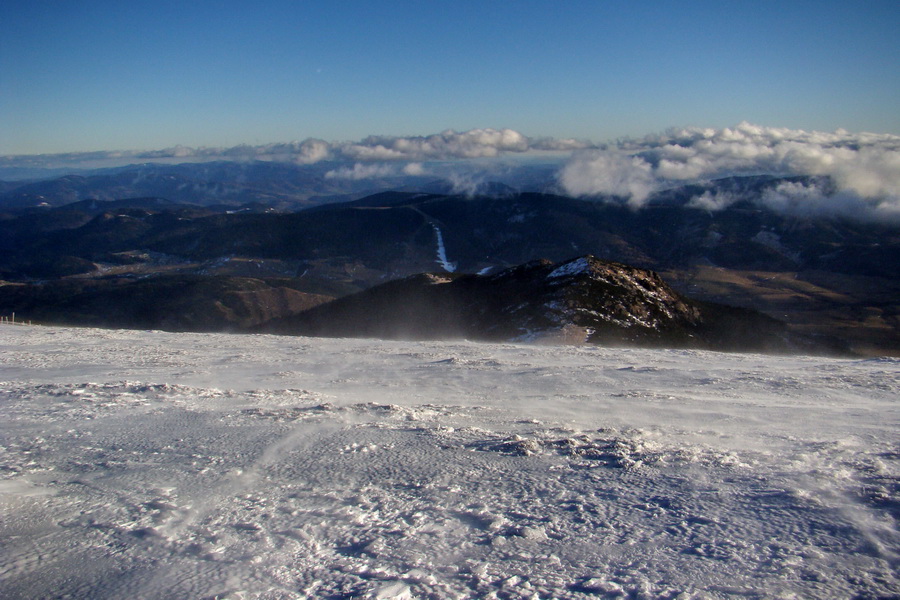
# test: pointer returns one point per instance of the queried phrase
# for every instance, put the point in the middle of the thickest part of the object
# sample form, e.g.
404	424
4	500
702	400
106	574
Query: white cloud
447	146
414	169
712	200
865	168
477	143
812	200
362	171
312	151
609	173
560	144
375	170
465	183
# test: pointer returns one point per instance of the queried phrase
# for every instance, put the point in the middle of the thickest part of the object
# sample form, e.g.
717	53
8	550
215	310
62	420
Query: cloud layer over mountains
449	145
852	173
863	169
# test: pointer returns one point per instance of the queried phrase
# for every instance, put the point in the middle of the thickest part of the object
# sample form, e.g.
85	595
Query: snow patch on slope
442	260
574	267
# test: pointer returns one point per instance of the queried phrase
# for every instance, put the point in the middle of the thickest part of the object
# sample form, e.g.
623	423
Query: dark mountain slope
484	231
825	274
583	300
174	303
397	233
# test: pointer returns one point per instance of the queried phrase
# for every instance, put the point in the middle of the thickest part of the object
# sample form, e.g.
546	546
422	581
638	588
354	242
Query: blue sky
95	75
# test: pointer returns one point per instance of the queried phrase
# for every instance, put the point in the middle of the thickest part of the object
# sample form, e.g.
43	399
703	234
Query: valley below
150	263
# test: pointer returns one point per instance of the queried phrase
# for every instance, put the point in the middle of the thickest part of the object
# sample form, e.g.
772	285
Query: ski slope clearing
138	464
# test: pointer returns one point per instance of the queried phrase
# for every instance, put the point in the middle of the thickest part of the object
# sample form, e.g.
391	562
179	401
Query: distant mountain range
823	275
397	233
229	184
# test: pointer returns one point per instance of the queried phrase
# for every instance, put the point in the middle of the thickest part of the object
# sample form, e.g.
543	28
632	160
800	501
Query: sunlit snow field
153	465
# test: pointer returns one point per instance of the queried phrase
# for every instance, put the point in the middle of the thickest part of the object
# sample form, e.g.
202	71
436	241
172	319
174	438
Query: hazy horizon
862	169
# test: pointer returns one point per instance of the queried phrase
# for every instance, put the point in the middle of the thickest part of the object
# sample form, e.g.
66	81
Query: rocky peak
583	300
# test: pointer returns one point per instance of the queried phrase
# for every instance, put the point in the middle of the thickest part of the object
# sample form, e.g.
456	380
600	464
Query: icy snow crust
154	465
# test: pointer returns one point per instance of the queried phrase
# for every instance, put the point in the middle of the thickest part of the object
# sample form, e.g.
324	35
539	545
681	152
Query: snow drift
154	465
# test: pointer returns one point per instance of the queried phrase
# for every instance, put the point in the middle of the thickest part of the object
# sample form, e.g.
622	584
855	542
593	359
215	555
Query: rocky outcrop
584	300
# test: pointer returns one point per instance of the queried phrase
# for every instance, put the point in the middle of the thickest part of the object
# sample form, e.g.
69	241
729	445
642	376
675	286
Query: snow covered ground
155	465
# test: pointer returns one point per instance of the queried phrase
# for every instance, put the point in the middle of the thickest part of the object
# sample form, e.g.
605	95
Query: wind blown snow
155	465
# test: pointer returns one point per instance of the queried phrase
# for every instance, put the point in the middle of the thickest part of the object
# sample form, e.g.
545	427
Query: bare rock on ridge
583	300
